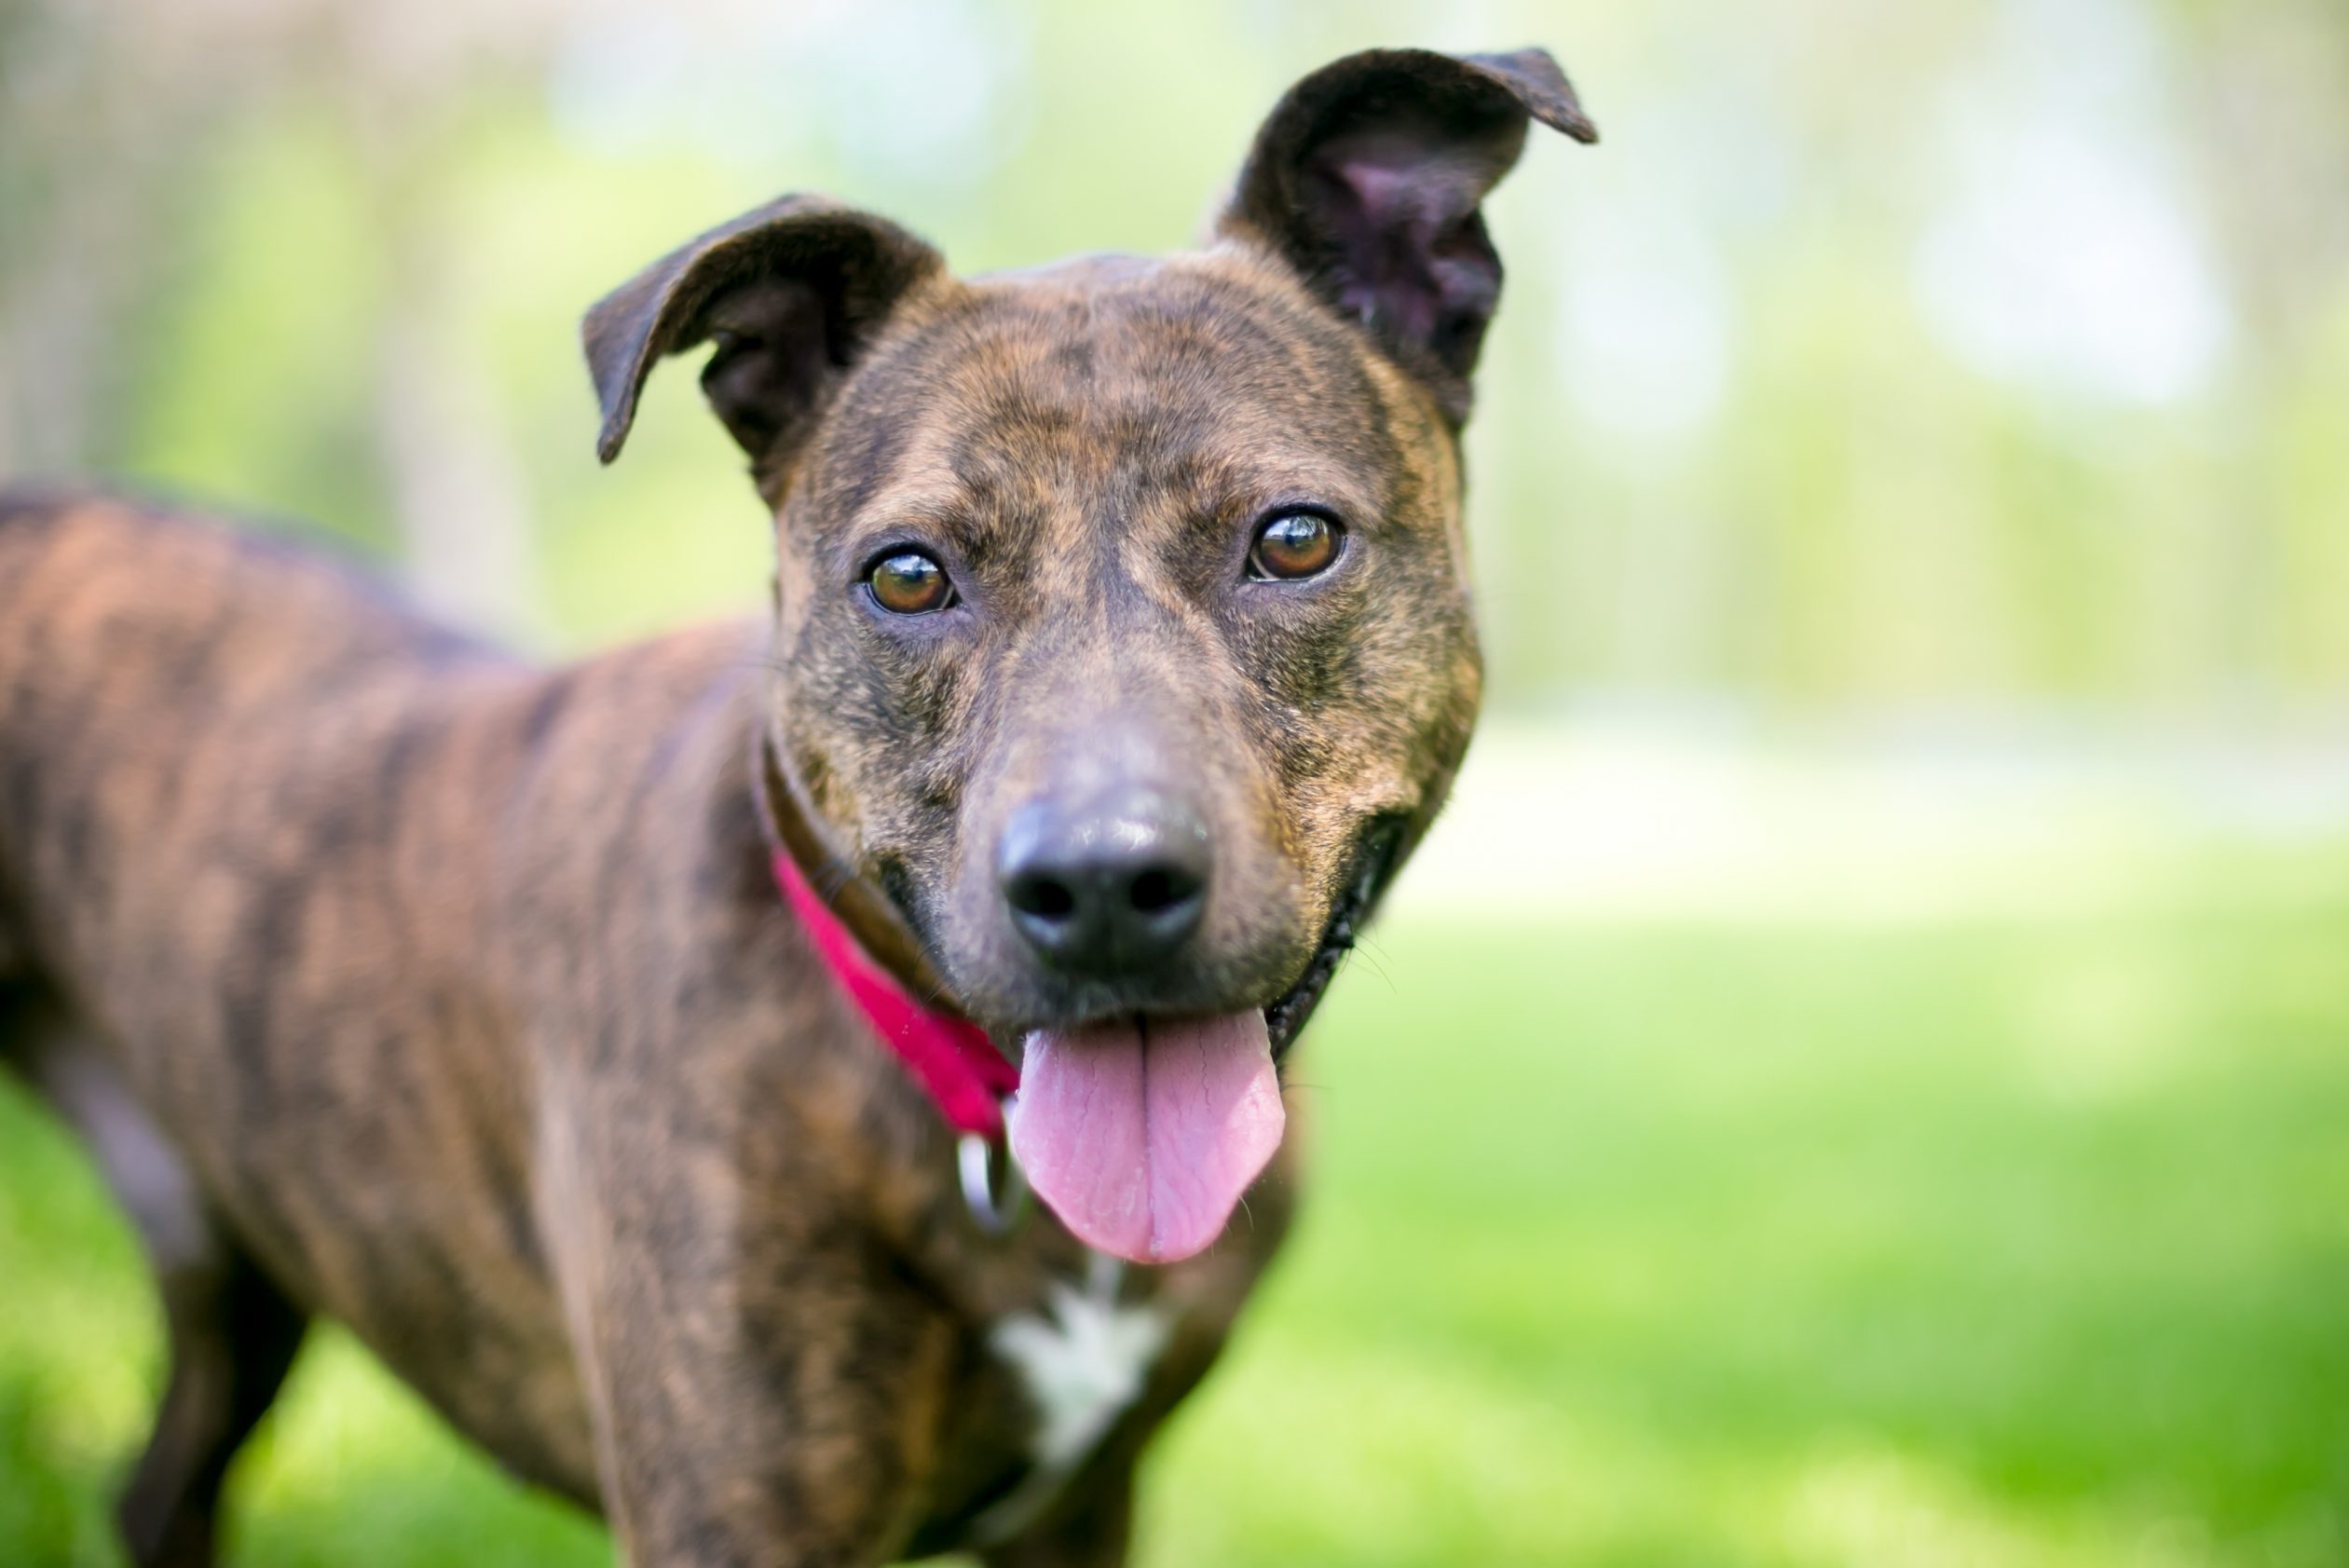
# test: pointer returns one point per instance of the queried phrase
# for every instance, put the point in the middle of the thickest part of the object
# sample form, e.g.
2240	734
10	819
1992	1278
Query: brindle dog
1122	650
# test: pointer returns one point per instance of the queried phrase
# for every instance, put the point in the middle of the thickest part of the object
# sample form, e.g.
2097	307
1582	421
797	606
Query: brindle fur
394	979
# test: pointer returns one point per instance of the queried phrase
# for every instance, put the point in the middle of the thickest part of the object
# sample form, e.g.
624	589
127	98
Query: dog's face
1123	568
1122	635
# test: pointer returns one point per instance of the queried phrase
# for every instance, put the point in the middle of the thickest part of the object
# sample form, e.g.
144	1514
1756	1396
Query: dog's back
152	668
251	840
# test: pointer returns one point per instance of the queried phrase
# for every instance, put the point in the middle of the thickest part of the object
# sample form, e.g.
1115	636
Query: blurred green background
1861	1078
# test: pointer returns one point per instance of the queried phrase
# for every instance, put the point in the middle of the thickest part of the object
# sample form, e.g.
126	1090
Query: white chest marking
1083	1363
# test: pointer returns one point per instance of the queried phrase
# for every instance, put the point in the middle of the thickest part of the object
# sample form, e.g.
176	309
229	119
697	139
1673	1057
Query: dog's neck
856	903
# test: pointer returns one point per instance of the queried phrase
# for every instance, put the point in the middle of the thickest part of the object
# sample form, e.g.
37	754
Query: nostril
1159	888
1044	898
1108	889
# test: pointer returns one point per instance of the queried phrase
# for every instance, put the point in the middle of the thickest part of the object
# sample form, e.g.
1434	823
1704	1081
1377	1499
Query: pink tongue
1142	1137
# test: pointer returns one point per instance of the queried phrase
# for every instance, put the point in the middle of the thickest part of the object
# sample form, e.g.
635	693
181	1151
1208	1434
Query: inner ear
776	355
1368	178
1407	254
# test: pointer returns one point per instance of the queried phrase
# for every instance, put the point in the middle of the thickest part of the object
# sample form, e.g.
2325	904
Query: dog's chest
1081	1360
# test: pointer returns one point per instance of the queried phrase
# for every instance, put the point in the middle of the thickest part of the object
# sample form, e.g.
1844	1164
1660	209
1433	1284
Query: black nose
1107	887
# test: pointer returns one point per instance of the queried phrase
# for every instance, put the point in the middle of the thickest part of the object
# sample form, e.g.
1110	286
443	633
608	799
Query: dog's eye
910	582
1295	544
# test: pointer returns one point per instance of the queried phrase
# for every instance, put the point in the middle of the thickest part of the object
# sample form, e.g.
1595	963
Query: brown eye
1295	544
910	583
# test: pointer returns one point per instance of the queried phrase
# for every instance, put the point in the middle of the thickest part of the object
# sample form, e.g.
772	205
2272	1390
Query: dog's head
1122	635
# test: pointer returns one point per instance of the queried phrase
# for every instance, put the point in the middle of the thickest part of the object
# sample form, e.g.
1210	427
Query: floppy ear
1367	178
791	292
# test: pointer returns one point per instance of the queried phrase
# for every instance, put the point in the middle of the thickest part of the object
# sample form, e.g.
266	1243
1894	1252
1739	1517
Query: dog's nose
1108	887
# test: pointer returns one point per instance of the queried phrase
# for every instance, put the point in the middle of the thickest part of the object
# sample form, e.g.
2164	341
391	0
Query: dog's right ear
791	292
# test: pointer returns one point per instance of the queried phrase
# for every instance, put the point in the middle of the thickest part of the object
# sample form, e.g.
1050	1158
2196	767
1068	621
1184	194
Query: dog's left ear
792	293
1366	179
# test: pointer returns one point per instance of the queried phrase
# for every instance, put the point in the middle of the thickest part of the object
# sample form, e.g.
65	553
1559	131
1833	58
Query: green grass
2004	1245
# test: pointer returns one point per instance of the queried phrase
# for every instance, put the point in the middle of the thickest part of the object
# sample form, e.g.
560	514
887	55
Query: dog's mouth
1368	870
1143	1133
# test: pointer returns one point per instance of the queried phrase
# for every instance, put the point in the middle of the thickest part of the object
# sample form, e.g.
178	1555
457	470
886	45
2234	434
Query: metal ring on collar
994	1212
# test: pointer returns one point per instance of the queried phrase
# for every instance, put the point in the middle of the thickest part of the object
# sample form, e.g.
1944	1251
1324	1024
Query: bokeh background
1860	1080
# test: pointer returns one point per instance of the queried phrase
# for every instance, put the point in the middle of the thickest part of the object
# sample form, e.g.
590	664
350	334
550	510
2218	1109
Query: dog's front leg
767	1390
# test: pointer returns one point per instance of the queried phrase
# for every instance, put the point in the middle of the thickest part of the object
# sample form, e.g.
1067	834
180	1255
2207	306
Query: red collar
952	1059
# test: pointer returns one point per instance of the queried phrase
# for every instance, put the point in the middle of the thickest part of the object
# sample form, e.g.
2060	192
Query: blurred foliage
1990	356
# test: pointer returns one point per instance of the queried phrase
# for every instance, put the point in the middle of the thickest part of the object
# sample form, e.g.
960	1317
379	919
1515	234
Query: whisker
1372	953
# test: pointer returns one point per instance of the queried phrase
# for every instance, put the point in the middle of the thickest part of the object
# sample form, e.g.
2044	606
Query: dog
624	1051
